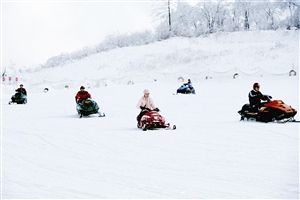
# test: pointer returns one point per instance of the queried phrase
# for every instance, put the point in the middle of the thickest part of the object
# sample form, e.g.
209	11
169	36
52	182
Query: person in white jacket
146	104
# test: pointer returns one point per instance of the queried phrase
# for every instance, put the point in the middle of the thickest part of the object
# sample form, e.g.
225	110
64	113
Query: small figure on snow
146	104
21	89
85	105
20	97
186	88
149	118
189	83
82	95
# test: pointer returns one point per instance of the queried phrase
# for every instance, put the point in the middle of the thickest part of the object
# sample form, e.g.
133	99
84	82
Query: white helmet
146	91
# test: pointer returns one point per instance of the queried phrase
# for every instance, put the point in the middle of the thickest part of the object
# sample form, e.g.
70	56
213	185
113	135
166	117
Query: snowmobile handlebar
147	109
266	97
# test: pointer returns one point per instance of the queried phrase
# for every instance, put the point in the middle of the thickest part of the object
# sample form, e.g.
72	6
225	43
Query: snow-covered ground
49	152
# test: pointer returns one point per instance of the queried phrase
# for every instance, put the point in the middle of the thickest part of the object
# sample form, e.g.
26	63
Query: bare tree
4	72
169	11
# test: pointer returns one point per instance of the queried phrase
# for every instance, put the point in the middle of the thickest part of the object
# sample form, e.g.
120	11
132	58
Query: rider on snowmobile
19	94
189	84
186	87
21	89
145	104
82	95
255	97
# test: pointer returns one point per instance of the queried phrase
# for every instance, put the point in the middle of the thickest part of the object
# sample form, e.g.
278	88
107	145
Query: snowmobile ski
145	128
287	120
101	114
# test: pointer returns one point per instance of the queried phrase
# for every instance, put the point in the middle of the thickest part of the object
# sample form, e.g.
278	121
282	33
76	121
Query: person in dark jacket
255	97
189	83
19	95
82	95
21	89
186	88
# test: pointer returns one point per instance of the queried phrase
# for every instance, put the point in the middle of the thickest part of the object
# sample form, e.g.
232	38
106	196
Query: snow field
48	152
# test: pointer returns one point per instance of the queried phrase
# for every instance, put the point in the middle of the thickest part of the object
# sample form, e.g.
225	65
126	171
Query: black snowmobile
186	89
18	98
88	107
270	111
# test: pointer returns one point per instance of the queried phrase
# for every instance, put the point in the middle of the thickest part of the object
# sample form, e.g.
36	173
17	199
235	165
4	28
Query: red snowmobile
270	111
152	120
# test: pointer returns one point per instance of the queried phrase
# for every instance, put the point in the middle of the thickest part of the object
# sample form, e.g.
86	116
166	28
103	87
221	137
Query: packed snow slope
49	152
214	55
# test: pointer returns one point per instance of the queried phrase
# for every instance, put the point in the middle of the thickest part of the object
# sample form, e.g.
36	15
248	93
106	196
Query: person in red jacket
82	95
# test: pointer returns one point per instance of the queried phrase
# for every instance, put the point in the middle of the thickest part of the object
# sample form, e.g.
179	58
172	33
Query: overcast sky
33	31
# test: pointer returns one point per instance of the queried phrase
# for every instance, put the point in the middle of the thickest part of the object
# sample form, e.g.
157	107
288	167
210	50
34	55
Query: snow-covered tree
185	20
293	10
213	13
270	11
180	18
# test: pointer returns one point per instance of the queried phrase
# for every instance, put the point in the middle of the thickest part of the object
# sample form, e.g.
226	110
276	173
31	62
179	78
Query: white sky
33	31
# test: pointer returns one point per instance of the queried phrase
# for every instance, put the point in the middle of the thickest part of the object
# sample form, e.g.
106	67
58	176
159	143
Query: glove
156	109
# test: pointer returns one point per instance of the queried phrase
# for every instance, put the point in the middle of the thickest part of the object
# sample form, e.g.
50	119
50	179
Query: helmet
146	91
21	85
82	87
255	85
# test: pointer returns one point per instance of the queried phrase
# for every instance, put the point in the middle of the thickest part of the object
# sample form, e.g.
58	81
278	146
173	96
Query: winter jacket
146	102
21	90
255	98
187	85
82	95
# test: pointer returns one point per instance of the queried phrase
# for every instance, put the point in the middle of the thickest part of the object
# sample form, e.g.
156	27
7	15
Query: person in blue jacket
186	88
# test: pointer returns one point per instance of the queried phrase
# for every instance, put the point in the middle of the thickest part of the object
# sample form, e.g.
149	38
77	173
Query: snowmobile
270	111
153	120
186	89
87	107
18	98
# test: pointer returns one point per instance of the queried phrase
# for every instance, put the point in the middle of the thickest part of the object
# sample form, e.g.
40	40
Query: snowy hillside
220	54
49	152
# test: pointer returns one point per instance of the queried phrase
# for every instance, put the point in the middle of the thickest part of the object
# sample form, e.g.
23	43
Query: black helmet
21	85
256	85
82	87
